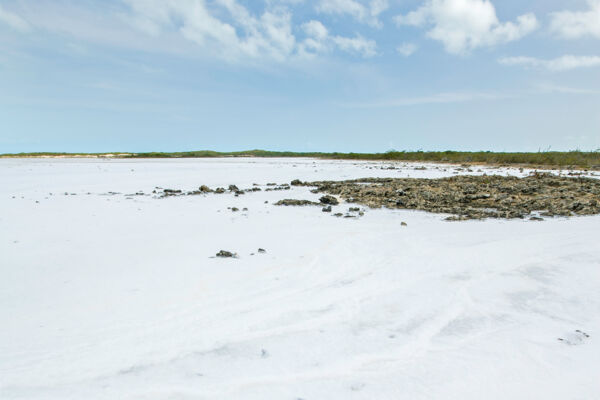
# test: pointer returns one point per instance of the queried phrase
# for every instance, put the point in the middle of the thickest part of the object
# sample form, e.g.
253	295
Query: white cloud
316	29
223	29
357	45
406	49
361	12
563	63
576	24
319	41
268	35
13	20
463	25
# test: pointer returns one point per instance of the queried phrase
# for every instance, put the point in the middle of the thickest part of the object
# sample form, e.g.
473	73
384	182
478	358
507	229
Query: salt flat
106	295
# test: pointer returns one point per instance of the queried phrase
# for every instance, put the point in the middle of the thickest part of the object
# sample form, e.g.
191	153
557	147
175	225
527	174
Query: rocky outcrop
473	197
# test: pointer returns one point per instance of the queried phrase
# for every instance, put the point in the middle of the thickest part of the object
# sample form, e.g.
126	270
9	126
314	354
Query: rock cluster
473	197
325	200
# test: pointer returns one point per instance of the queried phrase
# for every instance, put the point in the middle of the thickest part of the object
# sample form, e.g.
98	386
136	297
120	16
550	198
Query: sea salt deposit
108	293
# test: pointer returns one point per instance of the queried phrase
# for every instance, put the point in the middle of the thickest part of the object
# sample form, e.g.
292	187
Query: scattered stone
226	254
205	189
294	202
403	223
329	200
338	214
326	209
235	209
173	191
262	251
245	209
296	182
233	188
536	219
284	186
354	209
219	190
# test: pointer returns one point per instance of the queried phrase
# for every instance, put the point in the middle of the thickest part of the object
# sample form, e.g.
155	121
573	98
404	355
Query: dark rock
296	182
226	254
326	209
329	200
294	202
205	189
262	251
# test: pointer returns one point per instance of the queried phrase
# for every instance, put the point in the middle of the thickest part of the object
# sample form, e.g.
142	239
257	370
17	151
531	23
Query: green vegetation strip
575	159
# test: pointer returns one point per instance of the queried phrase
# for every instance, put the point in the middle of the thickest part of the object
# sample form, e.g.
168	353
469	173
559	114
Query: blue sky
321	75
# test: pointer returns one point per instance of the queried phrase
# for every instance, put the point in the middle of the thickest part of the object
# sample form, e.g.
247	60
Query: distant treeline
580	159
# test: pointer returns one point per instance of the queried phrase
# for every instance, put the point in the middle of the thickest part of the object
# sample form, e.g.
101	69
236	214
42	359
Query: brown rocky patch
473	197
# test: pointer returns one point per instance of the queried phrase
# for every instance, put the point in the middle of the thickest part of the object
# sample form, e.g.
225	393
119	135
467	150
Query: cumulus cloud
576	24
463	25
319	40
363	12
13	20
231	31
267	35
563	63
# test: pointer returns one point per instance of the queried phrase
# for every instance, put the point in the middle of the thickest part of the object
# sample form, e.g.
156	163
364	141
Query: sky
299	75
